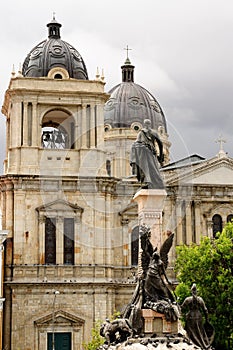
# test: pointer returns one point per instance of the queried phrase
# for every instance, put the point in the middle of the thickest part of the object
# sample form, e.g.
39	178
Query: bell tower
54	113
52	123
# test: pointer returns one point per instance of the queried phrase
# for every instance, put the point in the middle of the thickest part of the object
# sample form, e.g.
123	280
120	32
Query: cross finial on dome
127	61
127	69
54	15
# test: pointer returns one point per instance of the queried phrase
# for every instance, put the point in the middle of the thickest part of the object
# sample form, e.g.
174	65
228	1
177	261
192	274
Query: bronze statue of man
144	158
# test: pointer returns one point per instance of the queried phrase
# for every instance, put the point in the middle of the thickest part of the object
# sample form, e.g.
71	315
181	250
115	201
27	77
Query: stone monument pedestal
150	208
156	323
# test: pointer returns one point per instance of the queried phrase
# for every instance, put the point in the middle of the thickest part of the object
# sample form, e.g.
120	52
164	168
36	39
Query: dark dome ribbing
52	53
130	102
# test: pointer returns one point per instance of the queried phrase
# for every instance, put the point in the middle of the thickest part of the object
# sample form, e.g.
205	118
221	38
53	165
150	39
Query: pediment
211	172
130	210
59	317
59	206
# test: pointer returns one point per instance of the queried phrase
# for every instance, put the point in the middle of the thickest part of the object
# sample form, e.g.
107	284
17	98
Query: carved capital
124	221
197	203
42	219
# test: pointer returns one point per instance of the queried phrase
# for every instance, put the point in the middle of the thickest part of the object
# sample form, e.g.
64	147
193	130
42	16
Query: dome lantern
54	29
127	69
54	53
131	103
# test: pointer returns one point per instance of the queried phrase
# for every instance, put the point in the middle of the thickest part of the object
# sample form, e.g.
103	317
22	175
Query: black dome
131	103
52	53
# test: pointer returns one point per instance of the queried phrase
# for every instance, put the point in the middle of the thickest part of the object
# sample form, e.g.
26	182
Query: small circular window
107	127
57	76
136	126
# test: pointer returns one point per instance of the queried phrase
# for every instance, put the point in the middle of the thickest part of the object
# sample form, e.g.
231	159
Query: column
41	234
35	127
125	241
77	242
84	128
197	205
100	123
209	228
108	229
60	240
92	127
3	235
179	221
25	124
15	129
78	129
188	224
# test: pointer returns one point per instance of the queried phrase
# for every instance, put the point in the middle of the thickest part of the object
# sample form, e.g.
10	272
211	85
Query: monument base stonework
156	323
150	210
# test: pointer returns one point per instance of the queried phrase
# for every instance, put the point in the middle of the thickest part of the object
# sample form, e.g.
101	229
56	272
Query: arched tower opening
57	130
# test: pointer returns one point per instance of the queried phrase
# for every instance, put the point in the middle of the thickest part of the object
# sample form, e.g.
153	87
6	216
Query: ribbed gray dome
52	53
130	103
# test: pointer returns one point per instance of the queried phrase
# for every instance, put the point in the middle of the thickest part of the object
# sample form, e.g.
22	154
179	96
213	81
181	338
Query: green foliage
115	315
96	339
182	292
210	266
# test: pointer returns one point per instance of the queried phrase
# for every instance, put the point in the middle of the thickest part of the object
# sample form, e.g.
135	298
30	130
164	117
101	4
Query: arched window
134	246
230	218
57	130
217	224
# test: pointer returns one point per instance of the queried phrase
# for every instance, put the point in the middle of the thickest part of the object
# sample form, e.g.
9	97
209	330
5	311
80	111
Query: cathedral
71	254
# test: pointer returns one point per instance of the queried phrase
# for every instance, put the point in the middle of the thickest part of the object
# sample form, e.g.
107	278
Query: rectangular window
50	241
69	241
62	341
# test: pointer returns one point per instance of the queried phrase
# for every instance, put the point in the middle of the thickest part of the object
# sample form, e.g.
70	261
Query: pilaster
179	221
197	221
188	224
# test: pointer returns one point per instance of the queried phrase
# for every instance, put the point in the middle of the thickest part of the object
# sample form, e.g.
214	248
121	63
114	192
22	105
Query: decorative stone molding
59	317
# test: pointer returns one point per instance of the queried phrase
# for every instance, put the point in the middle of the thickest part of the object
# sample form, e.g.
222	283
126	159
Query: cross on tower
54	15
127	49
221	141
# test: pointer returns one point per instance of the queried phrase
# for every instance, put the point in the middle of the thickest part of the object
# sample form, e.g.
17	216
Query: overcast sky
182	51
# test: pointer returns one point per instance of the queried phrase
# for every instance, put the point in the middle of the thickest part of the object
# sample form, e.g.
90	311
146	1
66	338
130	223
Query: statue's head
155	255
147	123
194	289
